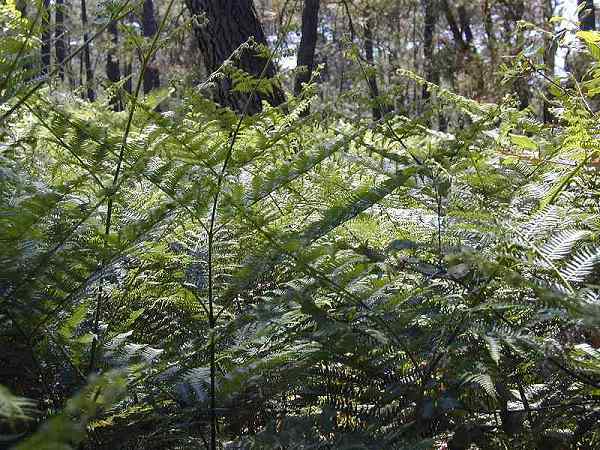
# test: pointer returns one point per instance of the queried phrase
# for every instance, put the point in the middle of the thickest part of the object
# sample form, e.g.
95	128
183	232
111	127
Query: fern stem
114	185
211	232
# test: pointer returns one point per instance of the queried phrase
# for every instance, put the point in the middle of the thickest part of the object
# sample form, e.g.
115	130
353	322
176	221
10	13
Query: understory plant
189	277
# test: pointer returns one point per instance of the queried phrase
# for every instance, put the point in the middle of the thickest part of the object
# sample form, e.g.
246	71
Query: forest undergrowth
179	275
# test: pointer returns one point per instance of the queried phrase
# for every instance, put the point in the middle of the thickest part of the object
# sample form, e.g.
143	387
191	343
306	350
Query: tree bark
587	14
465	24
46	38
59	35
113	71
488	25
89	74
371	75
308	43
22	7
430	19
150	28
452	24
230	24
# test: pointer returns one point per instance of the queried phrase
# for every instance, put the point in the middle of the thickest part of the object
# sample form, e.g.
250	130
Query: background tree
430	18
60	37
308	44
195	279
371	70
587	14
113	69
86	58
235	22
150	27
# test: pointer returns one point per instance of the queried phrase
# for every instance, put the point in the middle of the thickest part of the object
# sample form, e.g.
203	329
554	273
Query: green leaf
591	39
493	348
523	141
67	330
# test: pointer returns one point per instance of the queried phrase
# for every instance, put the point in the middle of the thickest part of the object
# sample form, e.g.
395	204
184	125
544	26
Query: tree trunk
230	24
522	84
59	33
430	19
587	14
22	7
371	75
308	43
113	71
46	38
488	25
89	74
454	28
150	28
465	24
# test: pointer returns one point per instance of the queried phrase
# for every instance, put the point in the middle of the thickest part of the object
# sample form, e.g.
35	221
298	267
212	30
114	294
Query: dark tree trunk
22	7
113	71
60	44
430	19
465	24
150	28
371	75
230	24
587	14
453	25
46	38
89	74
308	43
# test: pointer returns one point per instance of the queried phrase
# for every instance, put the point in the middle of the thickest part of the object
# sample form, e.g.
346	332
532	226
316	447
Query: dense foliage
179	275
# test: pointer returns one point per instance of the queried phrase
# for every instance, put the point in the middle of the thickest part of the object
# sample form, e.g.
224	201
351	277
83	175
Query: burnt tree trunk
89	74
59	35
308	43
230	24
587	14
150	28
46	38
371	75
